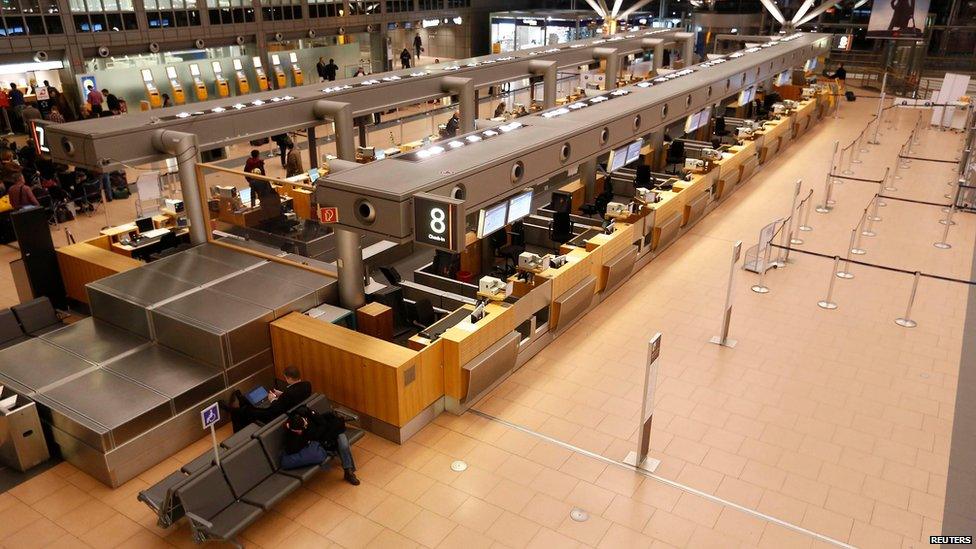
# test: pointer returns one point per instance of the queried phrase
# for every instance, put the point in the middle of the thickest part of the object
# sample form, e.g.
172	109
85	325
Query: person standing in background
405	58
418	45
330	70
55	115
320	69
5	106
166	100
293	166
95	100
112	102
17	104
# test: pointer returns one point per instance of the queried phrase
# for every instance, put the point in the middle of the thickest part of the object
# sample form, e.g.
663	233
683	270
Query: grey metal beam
500	166
126	139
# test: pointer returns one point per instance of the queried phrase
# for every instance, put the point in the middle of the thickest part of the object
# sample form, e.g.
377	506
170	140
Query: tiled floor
834	421
837	421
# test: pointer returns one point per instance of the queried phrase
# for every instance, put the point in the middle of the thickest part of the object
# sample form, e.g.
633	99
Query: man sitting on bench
308	436
243	412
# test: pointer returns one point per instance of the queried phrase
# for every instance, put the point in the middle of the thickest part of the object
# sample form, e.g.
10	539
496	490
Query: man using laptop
243	411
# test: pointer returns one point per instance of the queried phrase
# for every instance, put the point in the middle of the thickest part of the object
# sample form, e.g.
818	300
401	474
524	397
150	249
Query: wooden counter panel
460	345
359	371
569	275
83	263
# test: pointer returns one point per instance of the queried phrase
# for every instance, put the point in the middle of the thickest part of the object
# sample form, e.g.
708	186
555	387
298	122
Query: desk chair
423	314
676	154
561	228
512	250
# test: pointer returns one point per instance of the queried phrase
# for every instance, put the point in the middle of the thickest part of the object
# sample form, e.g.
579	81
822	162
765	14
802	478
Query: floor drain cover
459	466
924	375
578	515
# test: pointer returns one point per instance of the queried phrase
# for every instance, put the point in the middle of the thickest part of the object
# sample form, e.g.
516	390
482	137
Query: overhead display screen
438	221
617	160
519	206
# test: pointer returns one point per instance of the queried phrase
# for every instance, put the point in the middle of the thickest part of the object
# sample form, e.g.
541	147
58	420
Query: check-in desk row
399	389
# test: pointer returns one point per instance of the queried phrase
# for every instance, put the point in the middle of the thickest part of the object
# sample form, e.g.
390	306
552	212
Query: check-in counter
776	135
736	165
695	193
668	215
803	117
389	383
89	261
613	256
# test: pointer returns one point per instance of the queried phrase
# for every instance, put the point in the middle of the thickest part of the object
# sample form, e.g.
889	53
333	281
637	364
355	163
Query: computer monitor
519	206
561	202
633	151
245	196
144	224
747	95
810	64
617	160
783	78
313	175
691	123
492	219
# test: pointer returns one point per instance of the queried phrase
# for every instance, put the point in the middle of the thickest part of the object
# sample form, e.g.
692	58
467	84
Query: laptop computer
258	397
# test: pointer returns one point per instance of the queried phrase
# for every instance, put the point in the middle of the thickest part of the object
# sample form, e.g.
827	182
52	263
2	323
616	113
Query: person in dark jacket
112	102
328	429
840	73
282	140
451	128
405	58
255	164
242	412
20	194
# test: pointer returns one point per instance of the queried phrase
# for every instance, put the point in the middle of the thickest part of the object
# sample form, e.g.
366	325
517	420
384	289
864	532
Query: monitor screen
257	62
519	206
147	75
704	116
293	57
633	151
194	70
275	60
691	123
217	68
492	219
313	175
747	95
810	64
144	224
245	196
617	160
783	78
171	73
238	66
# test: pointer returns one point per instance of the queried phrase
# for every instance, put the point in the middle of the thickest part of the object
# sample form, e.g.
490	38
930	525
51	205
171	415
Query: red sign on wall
329	214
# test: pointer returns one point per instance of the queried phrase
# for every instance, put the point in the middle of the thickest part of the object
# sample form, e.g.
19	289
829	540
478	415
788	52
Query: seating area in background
29	319
220	501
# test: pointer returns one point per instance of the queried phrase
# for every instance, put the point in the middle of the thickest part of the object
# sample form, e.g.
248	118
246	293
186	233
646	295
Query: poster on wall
898	18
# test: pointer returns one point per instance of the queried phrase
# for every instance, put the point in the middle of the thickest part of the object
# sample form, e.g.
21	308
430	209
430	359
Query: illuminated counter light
236	106
459	142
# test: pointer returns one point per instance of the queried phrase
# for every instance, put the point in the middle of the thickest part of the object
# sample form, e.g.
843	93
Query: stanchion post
860	143
805	225
857	249
877	124
850	155
793	210
723	338
761	288
827	302
828	180
846	273
943	244
906	321
888	187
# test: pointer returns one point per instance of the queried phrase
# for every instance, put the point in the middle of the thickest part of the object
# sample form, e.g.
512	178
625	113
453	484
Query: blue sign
210	415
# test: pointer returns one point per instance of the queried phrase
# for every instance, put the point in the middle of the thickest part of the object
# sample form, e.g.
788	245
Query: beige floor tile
828	523
302	538
621	536
394	512
513	530
465	538
37	488
355	531
550	539
476	514
442	499
322	516
110	533
15	518
670	528
697	509
389	538
428	529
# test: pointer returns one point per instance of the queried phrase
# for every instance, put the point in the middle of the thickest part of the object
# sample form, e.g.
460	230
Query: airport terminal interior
472	274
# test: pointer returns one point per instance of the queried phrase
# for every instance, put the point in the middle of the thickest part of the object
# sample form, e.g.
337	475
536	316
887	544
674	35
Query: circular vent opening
365	211
518	170
604	136
564	152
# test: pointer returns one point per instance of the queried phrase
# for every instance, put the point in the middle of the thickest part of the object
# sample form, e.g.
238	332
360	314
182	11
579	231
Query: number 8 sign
438	221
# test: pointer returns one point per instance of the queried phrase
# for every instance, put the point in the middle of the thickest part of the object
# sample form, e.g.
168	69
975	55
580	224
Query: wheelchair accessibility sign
210	415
